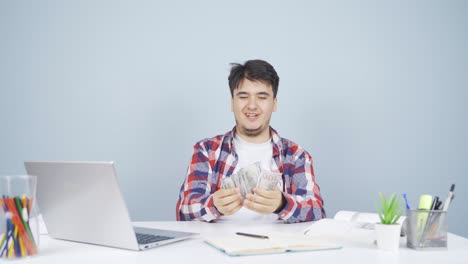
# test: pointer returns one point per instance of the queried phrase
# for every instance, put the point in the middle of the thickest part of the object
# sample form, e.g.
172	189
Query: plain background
376	91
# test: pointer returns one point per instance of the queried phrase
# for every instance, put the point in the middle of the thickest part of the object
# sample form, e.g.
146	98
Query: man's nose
252	104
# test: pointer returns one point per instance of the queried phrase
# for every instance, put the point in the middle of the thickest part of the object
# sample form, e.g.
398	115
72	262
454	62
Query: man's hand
228	201
264	201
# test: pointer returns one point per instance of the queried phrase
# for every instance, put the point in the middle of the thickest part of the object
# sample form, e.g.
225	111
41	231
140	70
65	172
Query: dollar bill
247	177
228	183
268	180
250	177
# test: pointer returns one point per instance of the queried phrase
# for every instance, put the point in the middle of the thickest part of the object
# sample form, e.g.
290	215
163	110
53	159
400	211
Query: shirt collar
275	139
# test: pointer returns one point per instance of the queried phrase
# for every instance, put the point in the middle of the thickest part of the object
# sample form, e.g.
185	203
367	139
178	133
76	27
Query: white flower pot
388	236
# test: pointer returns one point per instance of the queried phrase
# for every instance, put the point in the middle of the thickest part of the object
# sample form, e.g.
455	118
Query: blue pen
406	202
16	246
8	236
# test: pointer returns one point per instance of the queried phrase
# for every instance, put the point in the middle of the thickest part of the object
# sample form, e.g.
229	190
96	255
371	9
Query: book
347	228
240	245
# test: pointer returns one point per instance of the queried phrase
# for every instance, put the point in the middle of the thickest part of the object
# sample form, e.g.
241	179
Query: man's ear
275	104
232	104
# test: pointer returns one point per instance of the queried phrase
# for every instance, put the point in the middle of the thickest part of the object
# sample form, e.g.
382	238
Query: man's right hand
228	201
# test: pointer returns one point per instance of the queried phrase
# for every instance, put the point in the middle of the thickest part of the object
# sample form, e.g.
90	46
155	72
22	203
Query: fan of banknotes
250	177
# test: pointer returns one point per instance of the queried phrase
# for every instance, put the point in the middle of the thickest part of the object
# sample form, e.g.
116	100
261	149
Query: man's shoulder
215	142
291	148
289	144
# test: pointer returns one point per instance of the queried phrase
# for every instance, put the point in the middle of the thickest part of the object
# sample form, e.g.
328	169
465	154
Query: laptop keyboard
147	239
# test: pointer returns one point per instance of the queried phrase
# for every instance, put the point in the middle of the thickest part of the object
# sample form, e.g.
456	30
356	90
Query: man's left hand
265	201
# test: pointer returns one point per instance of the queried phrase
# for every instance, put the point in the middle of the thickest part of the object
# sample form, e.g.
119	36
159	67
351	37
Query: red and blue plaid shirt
215	158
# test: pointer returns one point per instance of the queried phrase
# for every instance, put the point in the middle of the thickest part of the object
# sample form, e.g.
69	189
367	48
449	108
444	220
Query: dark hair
253	70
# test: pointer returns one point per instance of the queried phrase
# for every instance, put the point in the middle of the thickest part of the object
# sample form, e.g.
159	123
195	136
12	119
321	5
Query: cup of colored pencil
19	232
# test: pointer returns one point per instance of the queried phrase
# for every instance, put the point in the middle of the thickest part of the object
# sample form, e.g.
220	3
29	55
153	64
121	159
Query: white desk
196	251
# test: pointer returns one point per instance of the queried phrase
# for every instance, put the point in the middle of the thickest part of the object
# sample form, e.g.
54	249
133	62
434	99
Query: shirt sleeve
196	197
304	202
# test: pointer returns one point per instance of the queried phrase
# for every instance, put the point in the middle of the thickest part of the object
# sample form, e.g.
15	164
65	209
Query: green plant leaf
383	202
391	204
397	216
392	211
388	214
389	211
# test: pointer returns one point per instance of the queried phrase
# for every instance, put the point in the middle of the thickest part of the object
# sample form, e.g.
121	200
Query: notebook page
236	244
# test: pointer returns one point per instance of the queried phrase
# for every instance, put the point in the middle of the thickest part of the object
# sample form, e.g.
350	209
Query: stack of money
250	177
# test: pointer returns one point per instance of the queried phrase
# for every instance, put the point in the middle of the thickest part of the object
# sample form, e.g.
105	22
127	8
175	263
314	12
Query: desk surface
196	251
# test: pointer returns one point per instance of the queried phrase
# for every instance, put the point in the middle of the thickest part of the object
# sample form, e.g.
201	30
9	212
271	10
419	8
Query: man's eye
243	97
263	98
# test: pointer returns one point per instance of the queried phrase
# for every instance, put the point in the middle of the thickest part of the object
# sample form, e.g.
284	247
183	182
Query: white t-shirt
249	153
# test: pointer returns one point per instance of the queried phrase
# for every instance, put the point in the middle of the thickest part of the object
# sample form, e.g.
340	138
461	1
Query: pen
406	202
430	220
434	202
449	198
251	235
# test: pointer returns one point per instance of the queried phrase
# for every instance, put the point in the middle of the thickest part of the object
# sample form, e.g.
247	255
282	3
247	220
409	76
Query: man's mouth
252	115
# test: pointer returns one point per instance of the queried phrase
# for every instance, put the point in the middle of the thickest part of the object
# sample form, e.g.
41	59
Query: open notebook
236	245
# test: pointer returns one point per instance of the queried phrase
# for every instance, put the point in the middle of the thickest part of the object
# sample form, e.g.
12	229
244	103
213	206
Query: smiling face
252	104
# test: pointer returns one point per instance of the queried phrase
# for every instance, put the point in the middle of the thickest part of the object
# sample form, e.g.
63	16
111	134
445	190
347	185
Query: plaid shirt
215	158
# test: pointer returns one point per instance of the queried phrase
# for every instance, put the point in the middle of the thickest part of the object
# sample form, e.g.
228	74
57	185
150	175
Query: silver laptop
81	201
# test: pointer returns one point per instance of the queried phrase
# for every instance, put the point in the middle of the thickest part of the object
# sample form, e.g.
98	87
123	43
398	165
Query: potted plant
388	230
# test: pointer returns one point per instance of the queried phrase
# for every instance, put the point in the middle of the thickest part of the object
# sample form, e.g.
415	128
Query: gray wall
375	91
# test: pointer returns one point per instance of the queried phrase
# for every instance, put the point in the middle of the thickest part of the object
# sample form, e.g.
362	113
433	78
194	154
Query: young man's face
252	104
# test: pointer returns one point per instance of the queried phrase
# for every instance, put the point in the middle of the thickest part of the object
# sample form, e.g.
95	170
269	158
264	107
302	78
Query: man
253	86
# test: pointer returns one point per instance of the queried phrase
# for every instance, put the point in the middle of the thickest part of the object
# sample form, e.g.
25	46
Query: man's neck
262	138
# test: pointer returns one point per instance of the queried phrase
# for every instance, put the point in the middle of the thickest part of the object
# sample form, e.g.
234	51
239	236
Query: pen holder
426	229
19	228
